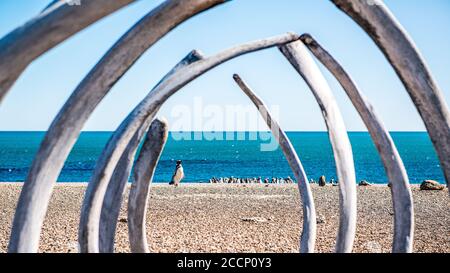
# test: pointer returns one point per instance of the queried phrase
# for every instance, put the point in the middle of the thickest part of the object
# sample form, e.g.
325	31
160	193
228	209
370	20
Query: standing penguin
178	175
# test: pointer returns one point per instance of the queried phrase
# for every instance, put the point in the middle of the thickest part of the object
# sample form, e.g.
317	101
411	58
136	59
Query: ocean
203	159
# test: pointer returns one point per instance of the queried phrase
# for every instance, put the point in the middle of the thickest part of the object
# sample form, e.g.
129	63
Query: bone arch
346	247
146	110
426	96
91	238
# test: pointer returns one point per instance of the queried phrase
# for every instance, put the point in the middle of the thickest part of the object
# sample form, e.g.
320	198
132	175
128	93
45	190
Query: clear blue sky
42	89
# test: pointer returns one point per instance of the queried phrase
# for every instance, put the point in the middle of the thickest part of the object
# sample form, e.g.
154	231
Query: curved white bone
66	126
298	55
113	196
308	237
57	22
393	164
398	47
90	214
143	175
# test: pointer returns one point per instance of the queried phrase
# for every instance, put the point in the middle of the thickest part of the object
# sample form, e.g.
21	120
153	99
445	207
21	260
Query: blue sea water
203	159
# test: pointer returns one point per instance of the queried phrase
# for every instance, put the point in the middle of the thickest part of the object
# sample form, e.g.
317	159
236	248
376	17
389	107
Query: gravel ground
241	218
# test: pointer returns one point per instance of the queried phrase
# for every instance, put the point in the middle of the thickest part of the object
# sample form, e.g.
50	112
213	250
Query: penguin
178	175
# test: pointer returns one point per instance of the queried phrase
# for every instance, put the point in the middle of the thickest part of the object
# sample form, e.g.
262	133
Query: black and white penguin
178	175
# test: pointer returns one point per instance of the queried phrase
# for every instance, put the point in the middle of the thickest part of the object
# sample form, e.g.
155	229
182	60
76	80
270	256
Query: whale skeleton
308	237
392	162
60	20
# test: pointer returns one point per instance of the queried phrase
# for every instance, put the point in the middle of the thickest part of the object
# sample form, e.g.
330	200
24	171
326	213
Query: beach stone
431	185
364	183
322	181
320	219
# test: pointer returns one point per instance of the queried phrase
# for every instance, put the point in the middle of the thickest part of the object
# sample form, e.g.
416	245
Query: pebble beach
198	217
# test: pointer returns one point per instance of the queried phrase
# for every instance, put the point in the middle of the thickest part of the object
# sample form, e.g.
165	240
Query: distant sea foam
203	159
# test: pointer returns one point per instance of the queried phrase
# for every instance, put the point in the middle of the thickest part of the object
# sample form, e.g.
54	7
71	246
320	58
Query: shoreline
413	185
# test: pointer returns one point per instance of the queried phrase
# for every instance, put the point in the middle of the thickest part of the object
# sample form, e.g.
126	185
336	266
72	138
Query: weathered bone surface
90	214
308	238
114	193
298	55
143	175
398	47
63	132
393	164
57	22
113	196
